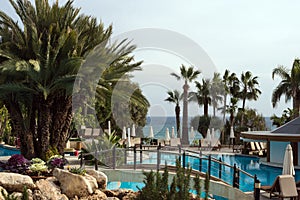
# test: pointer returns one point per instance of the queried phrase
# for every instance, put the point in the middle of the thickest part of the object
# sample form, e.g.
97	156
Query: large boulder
75	185
50	190
14	182
99	176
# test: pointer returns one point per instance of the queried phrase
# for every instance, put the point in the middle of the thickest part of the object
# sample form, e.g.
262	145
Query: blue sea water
160	124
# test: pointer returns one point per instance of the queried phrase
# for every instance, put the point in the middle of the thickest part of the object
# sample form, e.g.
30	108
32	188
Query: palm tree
216	89
202	96
231	87
231	109
174	97
188	75
289	86
249	90
39	64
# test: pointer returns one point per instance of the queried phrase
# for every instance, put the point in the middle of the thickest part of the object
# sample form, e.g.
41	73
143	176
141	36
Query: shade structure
231	132
128	138
167	136
173	132
124	137
133	131
208	135
288	166
151	135
192	134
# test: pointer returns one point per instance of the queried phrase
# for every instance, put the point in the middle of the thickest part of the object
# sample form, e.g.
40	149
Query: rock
14	182
112	198
37	195
99	176
98	195
16	195
50	190
75	185
4	191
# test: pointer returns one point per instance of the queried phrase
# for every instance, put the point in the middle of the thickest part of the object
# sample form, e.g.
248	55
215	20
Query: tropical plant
175	97
286	116
232	109
78	170
216	90
5	126
188	75
249	90
289	85
202	96
252	120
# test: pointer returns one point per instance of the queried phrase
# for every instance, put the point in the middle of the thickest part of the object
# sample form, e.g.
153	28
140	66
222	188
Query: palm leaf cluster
41	56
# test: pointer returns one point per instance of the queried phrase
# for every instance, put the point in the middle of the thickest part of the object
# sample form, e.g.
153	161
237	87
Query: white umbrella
212	133
192	134
288	165
231	132
167	135
208	135
128	138
109	128
133	131
124	133
151	135
173	132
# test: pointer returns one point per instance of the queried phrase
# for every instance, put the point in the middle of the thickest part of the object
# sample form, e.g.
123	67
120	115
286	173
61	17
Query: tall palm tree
188	75
288	86
231	87
216	89
202	96
174	97
231	109
249	90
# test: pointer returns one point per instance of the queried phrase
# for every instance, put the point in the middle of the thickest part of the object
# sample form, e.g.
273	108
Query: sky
217	35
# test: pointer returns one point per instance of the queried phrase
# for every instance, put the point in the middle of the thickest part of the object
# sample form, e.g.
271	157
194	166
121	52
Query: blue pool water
265	174
4	151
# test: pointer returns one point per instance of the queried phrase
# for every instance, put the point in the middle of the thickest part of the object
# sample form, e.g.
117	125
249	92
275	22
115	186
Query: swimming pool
251	164
8	151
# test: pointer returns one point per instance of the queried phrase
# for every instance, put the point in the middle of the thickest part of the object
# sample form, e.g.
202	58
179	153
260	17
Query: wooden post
114	157
141	154
268	151
183	159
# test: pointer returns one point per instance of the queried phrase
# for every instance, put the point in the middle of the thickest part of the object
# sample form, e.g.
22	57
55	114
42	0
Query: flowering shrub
57	161
16	163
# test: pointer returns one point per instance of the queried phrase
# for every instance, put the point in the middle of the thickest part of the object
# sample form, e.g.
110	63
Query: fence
138	157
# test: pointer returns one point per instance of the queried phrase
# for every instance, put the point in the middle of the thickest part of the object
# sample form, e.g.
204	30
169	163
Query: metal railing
138	156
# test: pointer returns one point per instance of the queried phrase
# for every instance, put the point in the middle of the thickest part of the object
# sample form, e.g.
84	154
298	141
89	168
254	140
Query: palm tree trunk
224	108
243	112
177	112
64	135
60	117
205	106
44	121
296	104
185	136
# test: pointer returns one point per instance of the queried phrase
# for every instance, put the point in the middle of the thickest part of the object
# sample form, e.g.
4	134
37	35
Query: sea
160	124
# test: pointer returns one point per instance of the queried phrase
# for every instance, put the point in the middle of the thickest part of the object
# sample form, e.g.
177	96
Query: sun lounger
284	186
253	149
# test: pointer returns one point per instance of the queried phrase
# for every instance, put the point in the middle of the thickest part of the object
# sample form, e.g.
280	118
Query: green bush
157	187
